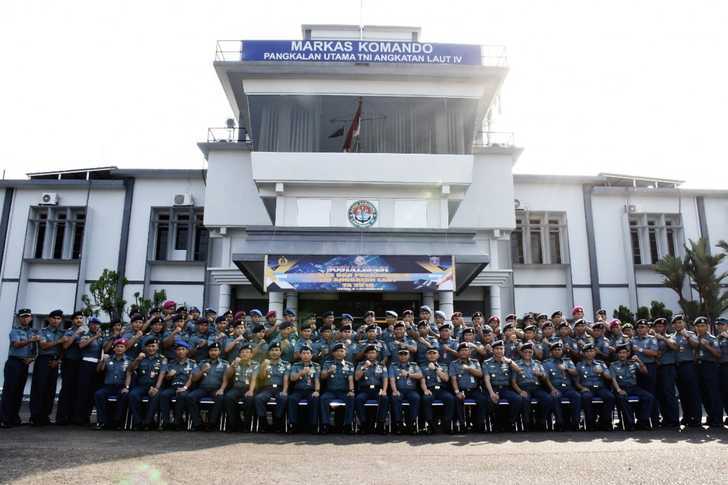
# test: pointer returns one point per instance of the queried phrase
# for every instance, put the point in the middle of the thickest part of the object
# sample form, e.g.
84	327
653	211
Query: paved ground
73	455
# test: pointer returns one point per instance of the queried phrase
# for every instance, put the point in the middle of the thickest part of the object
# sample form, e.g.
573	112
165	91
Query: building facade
333	167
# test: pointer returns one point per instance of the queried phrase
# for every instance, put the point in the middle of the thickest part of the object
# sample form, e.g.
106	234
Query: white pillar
225	298
446	302
292	301
495	301
428	299
275	303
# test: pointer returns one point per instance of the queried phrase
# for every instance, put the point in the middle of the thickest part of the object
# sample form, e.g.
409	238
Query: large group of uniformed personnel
403	375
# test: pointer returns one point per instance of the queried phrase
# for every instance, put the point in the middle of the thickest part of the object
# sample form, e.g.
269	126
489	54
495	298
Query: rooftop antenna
361	19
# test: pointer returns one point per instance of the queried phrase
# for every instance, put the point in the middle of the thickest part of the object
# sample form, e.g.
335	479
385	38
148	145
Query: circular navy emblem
362	213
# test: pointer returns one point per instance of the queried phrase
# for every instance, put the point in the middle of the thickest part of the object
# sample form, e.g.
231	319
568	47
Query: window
539	238
56	232
178	234
654	236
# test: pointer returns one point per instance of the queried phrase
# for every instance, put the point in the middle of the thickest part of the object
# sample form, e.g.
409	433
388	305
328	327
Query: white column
225	297
446	302
495	301
292	301
275	302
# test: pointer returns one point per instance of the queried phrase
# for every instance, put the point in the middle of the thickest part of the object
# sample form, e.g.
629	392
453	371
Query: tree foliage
105	296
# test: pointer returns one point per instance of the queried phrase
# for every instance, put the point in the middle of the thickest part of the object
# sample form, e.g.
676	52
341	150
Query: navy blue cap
463	345
258	328
588	346
525	346
54	313
289	312
150	339
338	346
194	309
497	343
214	345
94	320
556	345
305	347
210	310
701	320
621	346
328	314
371	328
677	317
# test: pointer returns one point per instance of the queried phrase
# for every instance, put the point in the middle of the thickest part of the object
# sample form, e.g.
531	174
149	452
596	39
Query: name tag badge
371	386
275	386
437	388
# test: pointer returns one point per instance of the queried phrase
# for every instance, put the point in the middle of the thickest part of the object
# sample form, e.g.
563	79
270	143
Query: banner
359	273
375	51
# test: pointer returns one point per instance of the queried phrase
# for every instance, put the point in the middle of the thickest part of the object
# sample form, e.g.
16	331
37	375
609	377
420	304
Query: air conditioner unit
183	199
49	198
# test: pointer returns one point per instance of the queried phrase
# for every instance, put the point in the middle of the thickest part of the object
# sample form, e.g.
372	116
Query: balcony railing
232	51
228	135
494	139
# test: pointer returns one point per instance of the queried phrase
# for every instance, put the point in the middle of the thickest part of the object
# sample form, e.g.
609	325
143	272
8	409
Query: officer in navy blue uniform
45	370
305	377
706	364
646	348
434	384
465	377
90	345
560	371
273	378
666	375
148	370
70	369
723	344
687	379
404	377
209	378
115	367
498	371
532	383
20	355
593	377
624	380
177	381
339	377
372	383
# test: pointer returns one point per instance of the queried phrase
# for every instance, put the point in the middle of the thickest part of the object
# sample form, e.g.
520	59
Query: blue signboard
359	273
375	51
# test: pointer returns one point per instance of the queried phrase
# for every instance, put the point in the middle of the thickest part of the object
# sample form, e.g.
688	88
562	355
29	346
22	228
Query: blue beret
181	343
256	312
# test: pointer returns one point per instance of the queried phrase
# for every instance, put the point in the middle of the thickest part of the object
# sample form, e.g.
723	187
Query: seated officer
178	380
434	385
403	379
148	371
209	376
465	374
273	379
592	379
242	373
339	377
372	383
305	376
530	383
115	367
498	371
560	370
624	381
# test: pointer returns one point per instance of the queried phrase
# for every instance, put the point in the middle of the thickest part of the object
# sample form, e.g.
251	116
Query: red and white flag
352	136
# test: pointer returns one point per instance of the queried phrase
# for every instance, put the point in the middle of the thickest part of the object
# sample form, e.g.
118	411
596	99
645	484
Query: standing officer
403	379
45	370
70	369
687	379
434	388
528	384
115	367
723	343
339	376
465	374
148	369
400	340
242	373
200	340
424	342
498	372
706	364
666	375
209	374
133	335
560	371
593	376
646	348
372	383
20	356
273	377
90	345
178	380
306	378
624	373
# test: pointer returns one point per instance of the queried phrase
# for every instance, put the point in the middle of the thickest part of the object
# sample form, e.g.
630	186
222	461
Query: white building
281	186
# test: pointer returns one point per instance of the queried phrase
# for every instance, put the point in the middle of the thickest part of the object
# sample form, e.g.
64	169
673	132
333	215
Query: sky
637	87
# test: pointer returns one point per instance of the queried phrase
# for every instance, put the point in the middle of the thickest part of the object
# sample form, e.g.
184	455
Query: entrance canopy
342	259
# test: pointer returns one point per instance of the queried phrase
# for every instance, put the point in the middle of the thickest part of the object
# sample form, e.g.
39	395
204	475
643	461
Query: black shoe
398	429
382	428
413	430
325	429
99	426
348	429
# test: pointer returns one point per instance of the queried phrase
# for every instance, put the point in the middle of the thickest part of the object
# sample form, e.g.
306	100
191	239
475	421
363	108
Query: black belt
21	359
686	362
665	365
706	362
